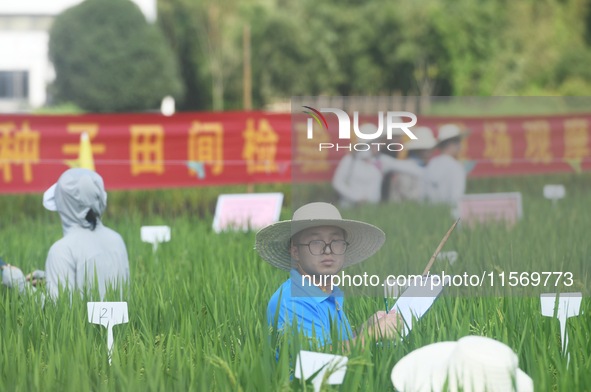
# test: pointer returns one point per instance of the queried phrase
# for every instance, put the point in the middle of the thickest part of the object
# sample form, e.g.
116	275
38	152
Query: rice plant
197	306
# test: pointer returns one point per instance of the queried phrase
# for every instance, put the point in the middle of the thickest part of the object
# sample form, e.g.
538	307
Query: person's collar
309	290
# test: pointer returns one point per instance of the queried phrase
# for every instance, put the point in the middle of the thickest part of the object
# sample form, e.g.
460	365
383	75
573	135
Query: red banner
499	146
147	151
196	149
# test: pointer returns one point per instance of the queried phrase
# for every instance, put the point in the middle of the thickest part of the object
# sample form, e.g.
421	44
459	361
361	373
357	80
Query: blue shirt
314	310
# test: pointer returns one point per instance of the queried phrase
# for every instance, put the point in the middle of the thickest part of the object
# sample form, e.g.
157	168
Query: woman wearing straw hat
314	246
445	176
411	187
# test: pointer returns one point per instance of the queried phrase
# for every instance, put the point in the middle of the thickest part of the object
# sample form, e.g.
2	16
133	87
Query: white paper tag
108	314
554	192
309	362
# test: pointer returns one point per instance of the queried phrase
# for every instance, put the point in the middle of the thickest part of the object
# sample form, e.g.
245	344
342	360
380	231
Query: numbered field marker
244	212
155	235
449	256
108	314
561	306
554	192
313	364
482	208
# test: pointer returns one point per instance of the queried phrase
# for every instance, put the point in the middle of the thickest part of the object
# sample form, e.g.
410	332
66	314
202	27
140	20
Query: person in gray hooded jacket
89	251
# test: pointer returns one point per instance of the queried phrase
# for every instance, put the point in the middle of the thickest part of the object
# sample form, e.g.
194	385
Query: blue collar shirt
315	311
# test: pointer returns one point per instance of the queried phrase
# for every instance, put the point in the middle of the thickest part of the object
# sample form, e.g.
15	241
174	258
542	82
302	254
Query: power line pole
247	72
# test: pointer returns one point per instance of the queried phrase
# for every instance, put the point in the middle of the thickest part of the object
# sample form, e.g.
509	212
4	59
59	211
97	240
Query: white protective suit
73	260
445	181
358	176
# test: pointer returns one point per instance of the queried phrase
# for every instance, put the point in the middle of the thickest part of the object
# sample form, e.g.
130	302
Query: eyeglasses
318	247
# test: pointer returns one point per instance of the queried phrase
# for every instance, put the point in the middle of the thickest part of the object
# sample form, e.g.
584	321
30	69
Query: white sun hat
472	364
49	198
83	185
368	128
371	128
449	131
273	242
424	141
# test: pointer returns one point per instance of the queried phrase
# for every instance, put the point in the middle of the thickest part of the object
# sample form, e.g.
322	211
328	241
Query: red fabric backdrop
134	151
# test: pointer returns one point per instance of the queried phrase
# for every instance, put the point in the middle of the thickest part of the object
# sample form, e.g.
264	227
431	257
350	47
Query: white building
25	70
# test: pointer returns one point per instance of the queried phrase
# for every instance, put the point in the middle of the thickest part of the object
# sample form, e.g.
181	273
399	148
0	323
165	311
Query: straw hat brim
420	145
426	369
461	135
273	242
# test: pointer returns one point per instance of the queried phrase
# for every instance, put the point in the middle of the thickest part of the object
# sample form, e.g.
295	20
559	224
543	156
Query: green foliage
65	108
198	305
107	58
428	47
177	22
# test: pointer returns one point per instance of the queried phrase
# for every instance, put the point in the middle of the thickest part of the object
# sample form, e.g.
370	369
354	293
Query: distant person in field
315	245
89	251
359	175
389	176
14	277
406	187
445	177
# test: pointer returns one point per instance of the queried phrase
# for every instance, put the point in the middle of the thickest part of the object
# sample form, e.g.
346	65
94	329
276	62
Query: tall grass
197	306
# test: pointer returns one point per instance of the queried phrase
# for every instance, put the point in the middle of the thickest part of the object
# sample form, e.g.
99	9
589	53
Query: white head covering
449	131
76	192
472	364
424	141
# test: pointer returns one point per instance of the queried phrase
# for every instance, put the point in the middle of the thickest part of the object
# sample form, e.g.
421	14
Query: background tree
177	22
372	47
107	58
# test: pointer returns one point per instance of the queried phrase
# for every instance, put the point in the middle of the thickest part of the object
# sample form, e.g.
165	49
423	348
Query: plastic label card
108	314
491	207
554	192
250	211
313	364
416	300
155	235
561	306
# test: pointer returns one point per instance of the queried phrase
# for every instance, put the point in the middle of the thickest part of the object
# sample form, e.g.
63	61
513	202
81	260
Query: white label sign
155	235
250	211
309	362
554	192
450	256
491	207
565	306
416	300
108	314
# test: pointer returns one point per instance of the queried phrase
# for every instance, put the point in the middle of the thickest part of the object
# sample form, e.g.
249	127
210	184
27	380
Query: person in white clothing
89	252
445	176
390	177
406	187
359	175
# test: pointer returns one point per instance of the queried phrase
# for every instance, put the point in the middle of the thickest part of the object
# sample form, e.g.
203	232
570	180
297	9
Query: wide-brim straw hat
449	131
273	242
424	141
472	364
371	129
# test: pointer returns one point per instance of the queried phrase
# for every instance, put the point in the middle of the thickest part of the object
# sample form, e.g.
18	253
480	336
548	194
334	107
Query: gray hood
77	191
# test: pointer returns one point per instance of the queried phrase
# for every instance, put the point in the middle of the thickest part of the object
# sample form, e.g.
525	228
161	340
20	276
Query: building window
14	85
